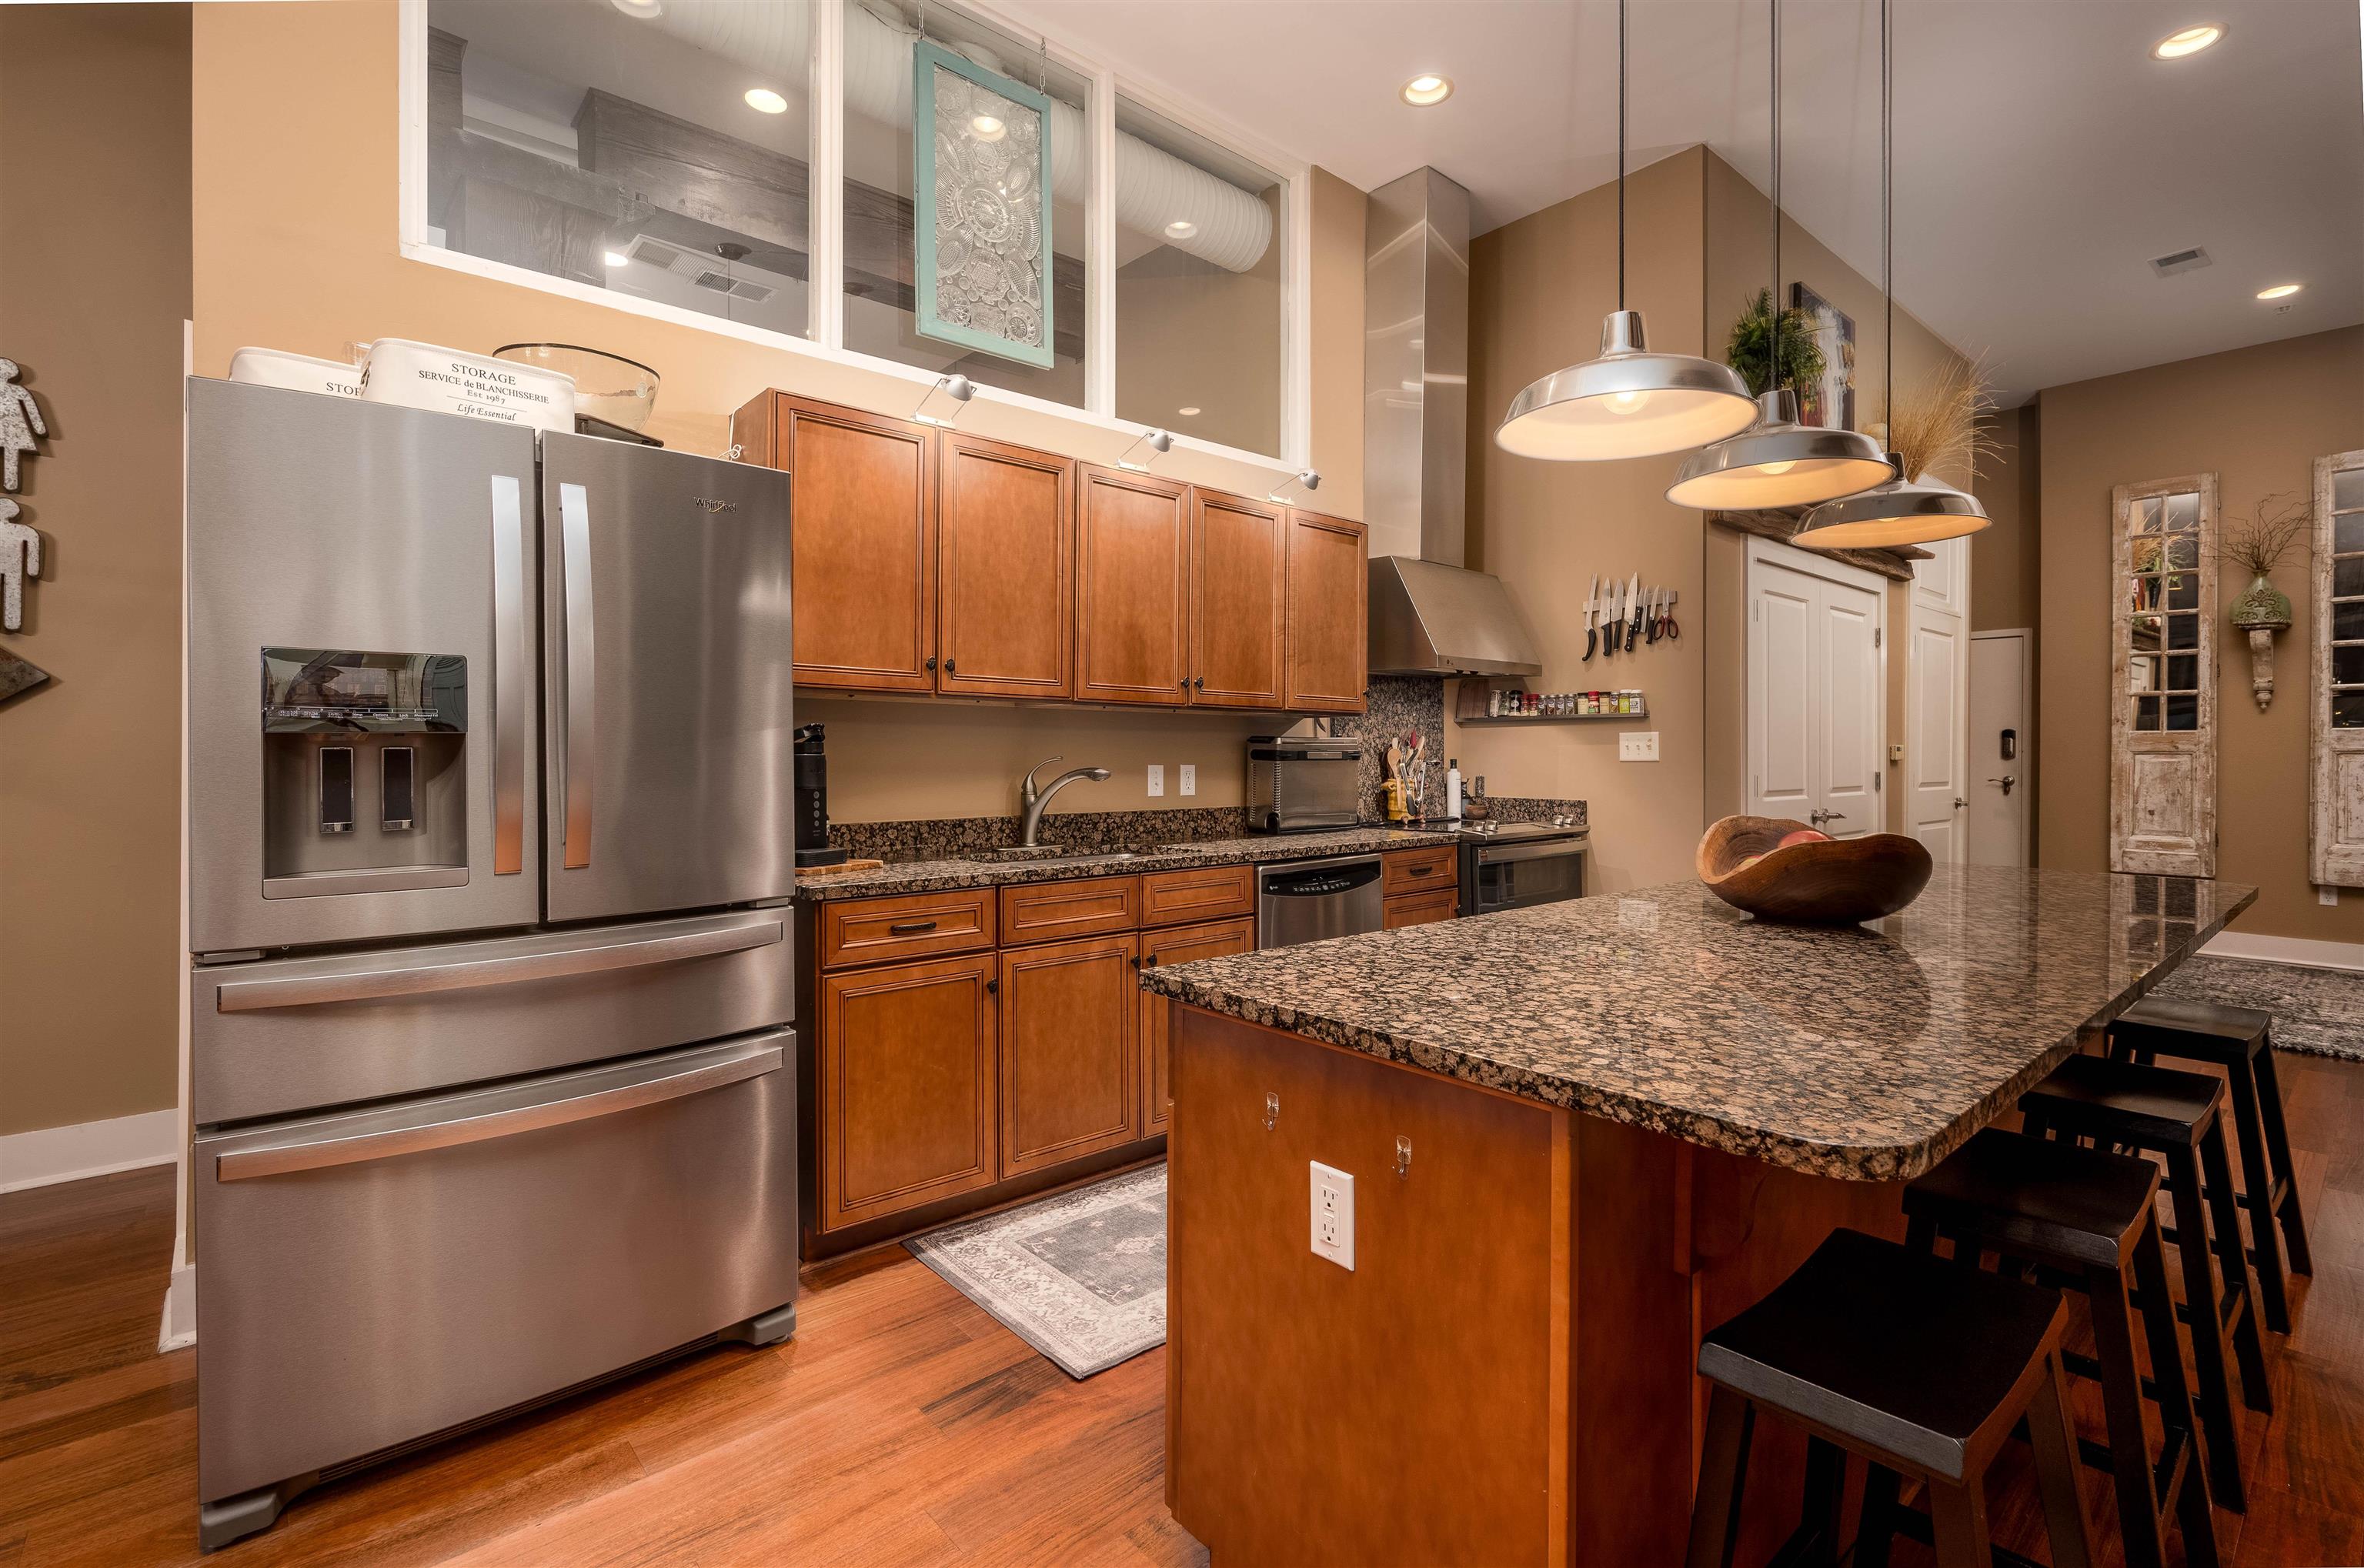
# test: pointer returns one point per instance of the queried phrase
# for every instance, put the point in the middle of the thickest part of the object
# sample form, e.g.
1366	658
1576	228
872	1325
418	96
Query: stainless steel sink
1047	854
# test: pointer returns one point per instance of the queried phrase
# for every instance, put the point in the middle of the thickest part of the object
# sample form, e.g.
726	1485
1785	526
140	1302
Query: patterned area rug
1081	1276
2317	1011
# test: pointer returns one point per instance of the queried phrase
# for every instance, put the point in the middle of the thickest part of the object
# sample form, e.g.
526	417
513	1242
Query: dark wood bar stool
2089	1218
2239	1041
2180	1115
1921	1368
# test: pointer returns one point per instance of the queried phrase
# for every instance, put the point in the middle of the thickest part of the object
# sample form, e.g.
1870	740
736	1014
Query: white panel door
1815	707
1937	694
2000	763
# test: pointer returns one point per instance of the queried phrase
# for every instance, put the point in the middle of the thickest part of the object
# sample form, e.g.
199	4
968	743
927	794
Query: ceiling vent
2190	261
698	269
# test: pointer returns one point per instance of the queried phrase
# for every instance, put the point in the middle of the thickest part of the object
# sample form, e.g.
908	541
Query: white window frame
826	273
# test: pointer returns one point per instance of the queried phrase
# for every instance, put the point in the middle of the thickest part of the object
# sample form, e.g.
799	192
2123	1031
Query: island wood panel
1202	893
1133	623
862	494
1329	590
1239	562
1183	944
1006	570
1070	1072
906	1072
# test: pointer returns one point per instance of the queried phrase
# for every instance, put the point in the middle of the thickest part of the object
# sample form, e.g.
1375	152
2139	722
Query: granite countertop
1869	1053
938	875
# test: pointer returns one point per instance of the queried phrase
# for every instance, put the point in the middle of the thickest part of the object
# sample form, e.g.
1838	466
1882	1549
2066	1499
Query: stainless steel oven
1520	864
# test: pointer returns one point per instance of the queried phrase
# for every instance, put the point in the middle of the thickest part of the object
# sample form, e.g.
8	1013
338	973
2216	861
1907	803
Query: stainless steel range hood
1428	615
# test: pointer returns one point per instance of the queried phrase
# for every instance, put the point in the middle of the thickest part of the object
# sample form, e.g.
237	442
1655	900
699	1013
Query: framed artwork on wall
1830	402
981	149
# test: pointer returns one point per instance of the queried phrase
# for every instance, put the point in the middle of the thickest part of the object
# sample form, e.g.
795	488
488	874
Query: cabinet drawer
1421	908
1416	871
917	925
1204	892
1045	911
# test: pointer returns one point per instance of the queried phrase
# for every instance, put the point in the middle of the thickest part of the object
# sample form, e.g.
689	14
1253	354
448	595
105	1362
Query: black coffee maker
812	801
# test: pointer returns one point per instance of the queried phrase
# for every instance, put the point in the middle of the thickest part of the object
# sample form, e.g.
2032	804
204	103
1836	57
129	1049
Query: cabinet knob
950	666
932	662
1200	683
993	987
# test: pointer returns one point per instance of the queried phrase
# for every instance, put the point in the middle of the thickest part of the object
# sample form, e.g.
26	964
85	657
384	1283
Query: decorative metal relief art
21	543
2163	678
982	221
2336	694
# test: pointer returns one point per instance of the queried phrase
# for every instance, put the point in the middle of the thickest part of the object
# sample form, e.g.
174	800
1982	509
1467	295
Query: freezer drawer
289	1034
374	1277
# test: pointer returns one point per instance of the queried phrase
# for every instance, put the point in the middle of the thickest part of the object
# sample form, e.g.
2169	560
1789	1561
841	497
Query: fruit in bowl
1785	871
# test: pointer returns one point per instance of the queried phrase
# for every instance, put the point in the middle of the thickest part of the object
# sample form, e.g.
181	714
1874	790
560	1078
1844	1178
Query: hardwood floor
902	1425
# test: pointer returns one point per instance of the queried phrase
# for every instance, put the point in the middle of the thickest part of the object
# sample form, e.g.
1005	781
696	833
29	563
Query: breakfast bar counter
1579	1136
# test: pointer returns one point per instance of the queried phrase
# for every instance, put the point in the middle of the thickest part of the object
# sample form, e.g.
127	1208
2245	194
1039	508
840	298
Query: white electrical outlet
1334	1216
1156	779
2327	896
1189	778
1637	746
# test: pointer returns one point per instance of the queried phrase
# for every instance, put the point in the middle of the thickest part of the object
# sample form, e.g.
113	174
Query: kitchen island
1580	1135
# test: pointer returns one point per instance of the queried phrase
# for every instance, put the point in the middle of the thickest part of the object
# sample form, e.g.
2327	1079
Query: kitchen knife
1592	617
1612	621
1633	606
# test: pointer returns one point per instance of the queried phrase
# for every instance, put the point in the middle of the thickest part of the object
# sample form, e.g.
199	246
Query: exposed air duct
1156	191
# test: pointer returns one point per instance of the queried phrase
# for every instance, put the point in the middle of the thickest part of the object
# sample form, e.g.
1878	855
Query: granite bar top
939	875
1869	1053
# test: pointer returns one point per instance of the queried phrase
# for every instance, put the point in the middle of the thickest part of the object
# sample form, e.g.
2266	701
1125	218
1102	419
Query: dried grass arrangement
2256	541
1940	427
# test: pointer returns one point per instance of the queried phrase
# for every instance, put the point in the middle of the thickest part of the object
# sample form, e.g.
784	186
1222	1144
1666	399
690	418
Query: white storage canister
298	372
421	375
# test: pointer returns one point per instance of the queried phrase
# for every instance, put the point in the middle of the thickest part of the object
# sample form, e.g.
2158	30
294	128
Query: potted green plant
1762	335
2255	542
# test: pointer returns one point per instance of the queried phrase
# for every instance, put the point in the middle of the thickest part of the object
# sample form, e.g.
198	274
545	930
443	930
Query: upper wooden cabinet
1329	595
1005	571
1239	560
1132	620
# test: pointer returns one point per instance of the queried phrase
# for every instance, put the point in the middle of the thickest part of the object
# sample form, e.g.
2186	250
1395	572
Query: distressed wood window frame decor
2163	540
2335	690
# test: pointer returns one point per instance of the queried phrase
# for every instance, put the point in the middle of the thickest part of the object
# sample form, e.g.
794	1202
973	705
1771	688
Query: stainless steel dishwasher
1306	901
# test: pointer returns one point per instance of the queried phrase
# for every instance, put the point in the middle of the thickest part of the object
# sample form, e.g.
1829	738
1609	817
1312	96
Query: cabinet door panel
1238	562
1185	944
862	494
1133	592
907	1088
1005	580
1329	593
1070	1082
1421	908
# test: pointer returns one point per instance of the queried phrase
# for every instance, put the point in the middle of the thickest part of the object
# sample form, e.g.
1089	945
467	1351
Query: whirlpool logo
704	504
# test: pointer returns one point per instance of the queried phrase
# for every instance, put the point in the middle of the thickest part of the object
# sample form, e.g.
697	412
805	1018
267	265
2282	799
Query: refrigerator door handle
484	1121
574	529
511	662
417	980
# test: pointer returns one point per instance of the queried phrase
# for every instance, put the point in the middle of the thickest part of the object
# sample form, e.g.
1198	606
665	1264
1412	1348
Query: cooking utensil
1633	603
1592	617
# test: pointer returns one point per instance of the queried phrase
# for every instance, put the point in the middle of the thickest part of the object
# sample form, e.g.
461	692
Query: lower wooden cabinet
1070	1065
1183	944
906	1062
1421	908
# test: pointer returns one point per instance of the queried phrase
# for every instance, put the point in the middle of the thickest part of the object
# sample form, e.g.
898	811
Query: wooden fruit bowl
1835	882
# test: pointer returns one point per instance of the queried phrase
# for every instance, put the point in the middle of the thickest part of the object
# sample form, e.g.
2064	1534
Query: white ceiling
2042	157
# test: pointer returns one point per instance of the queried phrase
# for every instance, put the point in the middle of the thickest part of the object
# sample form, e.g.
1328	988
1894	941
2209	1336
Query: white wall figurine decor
20	421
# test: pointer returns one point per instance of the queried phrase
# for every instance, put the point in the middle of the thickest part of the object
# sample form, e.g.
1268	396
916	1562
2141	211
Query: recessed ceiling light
641	9
2280	291
764	98
1185	413
615	258
2191	40
986	127
1180	228
1426	89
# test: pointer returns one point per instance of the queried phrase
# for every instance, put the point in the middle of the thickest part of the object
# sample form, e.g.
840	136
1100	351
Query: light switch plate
1637	746
1189	780
1334	1216
1156	779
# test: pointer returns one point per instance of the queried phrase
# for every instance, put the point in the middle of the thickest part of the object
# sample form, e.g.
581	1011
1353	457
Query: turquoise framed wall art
981	207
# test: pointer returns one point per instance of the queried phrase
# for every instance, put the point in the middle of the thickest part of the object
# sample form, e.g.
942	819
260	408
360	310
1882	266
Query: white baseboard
50	1154
179	1329
2287	950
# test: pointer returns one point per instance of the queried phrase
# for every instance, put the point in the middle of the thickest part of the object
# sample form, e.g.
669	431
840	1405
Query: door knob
1819	818
1960	802
2006	781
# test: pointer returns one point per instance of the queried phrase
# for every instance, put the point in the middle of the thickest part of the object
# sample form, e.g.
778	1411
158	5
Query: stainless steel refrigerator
490	774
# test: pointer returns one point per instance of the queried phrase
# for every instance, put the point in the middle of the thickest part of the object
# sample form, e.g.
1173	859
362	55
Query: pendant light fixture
1902	511
1780	462
1629	402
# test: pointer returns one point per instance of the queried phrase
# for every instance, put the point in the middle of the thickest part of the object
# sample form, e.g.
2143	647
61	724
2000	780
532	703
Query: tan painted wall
1538	290
2258	417
94	287
296	247
2007	587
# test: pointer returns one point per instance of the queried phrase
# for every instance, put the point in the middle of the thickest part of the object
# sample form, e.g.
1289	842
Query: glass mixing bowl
607	386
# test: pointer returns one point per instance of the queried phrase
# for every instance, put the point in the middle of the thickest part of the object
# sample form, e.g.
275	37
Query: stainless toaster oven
1299	782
